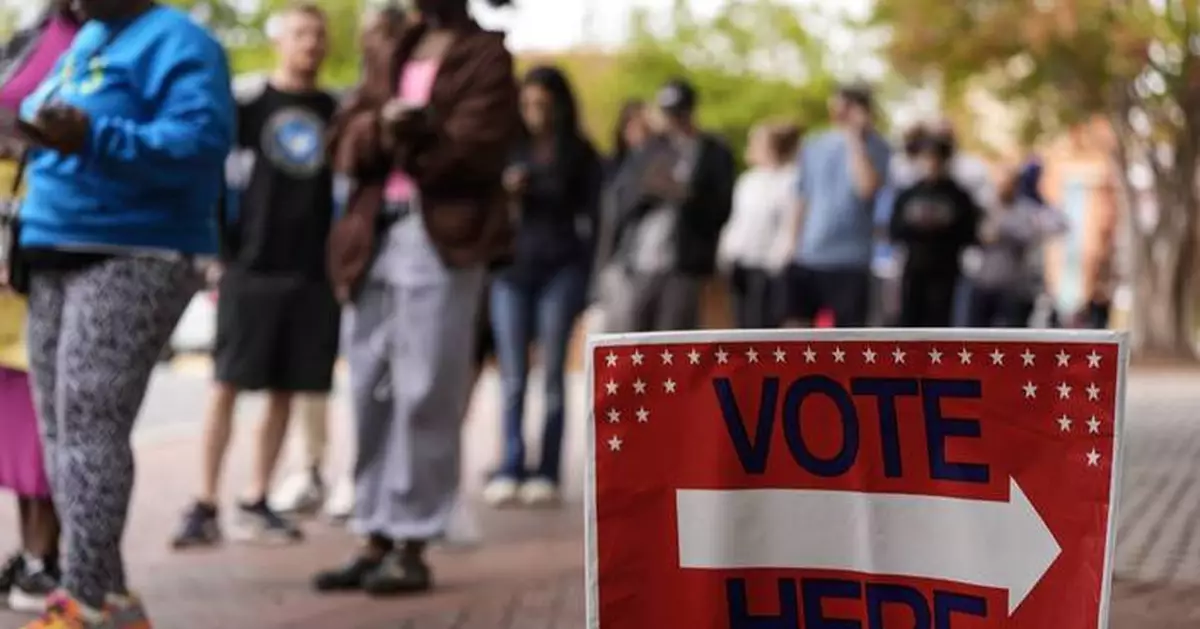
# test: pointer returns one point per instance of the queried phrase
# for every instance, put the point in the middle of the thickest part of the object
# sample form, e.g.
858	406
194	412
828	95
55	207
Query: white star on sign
637	357
752	355
694	357
643	415
611	386
1027	358
809	355
614	416
1063	358
669	385
838	355
722	356
1093	458
1064	390
1030	390
614	444
611	359
1093	425
1064	423
1093	360
667	357
965	356
639	387
935	357
998	357
1093	392
869	356
780	355
898	356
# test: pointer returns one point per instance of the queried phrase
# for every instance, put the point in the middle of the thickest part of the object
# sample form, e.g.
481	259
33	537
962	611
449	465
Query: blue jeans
545	311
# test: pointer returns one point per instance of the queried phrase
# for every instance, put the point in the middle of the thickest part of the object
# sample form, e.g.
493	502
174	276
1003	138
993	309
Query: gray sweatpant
95	336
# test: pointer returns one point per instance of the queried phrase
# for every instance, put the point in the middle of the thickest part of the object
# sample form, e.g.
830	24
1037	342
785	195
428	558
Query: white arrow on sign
1002	545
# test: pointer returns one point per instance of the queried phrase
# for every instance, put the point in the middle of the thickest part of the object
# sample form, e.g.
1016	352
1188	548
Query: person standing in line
304	493
841	172
1002	290
31	574
672	219
428	214
554	182
277	320
610	288
934	219
756	244
130	136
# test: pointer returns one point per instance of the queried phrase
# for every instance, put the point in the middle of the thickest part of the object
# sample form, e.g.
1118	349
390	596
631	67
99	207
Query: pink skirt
21	466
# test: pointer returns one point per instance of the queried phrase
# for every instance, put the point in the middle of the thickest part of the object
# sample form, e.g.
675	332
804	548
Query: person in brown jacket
426	140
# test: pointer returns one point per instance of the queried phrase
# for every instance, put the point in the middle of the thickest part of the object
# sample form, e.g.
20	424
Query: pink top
416	83
50	45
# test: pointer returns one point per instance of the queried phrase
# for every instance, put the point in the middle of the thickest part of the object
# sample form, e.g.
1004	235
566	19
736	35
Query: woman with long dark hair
554	187
426	141
32	574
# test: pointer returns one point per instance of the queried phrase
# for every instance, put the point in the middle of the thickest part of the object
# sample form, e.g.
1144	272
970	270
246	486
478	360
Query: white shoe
463	531
340	505
300	494
501	492
539	492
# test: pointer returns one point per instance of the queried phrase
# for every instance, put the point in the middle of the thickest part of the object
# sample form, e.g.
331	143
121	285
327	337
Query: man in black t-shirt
277	319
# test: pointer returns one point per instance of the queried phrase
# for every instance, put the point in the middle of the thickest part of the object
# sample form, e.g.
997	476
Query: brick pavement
528	572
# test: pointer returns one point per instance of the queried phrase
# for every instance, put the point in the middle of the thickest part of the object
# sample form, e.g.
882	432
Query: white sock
34	565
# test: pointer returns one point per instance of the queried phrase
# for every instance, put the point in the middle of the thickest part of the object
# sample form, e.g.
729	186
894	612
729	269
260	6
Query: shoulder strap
19	177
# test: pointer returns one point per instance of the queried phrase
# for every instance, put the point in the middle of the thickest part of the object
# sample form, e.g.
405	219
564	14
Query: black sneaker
399	573
30	589
347	578
200	528
10	571
258	522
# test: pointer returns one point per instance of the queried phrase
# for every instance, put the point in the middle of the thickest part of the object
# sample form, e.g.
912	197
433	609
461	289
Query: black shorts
846	293
276	334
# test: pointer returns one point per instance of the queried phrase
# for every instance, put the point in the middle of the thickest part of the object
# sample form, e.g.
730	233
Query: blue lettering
848	416
885	391
739	609
947	603
939	428
753	456
813	592
879	595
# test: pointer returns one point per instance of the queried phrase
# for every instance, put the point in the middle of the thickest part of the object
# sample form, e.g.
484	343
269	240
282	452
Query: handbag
15	268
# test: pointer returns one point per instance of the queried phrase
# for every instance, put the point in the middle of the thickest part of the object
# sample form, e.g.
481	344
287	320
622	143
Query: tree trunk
1163	261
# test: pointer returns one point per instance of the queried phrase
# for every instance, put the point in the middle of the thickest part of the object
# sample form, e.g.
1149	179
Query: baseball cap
677	96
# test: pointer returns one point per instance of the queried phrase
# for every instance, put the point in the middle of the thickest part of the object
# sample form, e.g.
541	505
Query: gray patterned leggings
94	338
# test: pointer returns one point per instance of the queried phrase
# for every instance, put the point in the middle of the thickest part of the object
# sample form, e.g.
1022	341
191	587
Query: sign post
853	479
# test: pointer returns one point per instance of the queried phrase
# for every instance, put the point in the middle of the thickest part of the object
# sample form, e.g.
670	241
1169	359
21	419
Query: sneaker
127	612
64	612
258	522
9	571
340	505
347	578
31	588
200	528
301	494
501	491
399	574
539	492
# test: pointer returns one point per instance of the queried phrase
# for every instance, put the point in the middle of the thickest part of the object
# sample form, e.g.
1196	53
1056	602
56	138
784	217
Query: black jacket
702	214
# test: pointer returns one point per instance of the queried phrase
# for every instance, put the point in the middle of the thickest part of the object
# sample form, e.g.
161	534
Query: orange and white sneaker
64	612
126	612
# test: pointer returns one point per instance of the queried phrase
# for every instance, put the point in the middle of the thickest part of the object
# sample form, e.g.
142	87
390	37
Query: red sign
853	480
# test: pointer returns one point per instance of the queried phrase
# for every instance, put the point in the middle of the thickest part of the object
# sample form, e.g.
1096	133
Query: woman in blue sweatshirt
129	136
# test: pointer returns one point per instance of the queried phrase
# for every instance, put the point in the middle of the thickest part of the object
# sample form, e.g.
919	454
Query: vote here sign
853	480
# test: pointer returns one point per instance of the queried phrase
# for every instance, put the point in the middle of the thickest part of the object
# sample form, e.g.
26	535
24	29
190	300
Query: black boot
403	571
354	575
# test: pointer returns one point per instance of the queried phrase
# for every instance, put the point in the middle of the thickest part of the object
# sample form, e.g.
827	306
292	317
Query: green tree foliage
753	61
1133	62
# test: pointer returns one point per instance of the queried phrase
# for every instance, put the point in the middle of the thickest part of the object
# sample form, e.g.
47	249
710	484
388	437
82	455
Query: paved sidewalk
527	573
